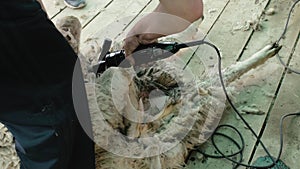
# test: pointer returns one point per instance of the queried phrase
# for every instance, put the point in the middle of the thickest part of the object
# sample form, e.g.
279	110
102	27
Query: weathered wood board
111	22
267	89
257	87
54	7
86	14
287	101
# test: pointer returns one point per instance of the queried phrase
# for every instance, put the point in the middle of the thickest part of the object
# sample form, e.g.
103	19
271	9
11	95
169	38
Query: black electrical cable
281	129
241	148
238	113
287	22
283	35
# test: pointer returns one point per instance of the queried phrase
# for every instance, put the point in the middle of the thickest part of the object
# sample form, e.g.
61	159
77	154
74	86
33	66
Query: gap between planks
291	43
239	39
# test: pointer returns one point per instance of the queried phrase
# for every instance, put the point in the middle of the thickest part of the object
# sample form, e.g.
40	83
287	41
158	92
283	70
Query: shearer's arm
169	17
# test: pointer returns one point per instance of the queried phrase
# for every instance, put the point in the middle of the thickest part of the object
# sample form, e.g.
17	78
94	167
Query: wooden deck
271	88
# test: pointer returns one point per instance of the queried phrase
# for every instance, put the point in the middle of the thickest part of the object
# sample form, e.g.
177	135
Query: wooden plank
86	14
199	62
53	7
149	8
286	102
257	87
111	22
231	44
223	35
212	11
267	78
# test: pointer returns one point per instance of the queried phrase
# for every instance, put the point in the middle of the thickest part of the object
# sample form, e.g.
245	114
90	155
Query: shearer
169	17
36	67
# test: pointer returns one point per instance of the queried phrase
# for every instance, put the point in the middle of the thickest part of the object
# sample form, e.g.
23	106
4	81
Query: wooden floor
270	88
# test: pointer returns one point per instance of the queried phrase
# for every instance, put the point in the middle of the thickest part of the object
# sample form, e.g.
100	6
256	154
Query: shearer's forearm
170	16
190	10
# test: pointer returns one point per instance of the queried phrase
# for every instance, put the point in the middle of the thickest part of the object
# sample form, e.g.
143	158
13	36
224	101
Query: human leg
37	66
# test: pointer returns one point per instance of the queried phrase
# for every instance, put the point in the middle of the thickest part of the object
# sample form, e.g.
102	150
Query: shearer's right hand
132	42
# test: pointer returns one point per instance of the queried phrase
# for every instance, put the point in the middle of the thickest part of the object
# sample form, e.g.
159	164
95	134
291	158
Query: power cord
282	37
241	147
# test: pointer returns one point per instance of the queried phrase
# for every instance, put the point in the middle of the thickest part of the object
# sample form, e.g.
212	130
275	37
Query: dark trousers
36	104
61	146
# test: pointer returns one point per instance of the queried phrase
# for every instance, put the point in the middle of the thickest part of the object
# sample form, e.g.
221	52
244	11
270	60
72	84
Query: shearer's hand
169	17
132	42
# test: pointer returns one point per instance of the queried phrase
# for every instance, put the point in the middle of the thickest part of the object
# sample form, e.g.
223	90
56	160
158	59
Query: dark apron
36	105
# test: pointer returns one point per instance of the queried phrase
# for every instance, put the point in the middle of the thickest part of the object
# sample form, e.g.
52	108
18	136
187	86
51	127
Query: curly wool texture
8	155
115	99
175	119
